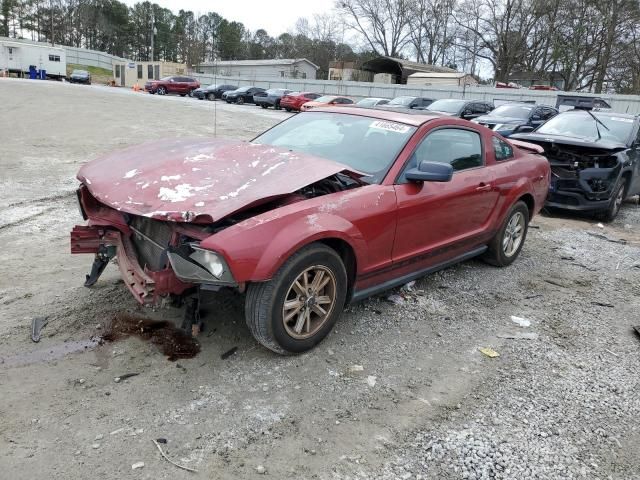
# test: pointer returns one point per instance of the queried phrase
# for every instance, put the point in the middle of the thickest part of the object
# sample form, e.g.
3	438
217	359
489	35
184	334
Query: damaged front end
156	258
582	178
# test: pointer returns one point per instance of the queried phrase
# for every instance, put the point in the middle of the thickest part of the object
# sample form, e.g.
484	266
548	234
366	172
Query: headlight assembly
193	264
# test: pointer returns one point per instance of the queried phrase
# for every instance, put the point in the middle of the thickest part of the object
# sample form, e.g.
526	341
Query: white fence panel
620	103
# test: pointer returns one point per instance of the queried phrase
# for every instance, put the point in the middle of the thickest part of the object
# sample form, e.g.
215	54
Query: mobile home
17	57
127	74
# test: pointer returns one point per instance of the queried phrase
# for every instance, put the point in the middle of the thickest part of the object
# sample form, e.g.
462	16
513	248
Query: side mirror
524	129
430	172
536	118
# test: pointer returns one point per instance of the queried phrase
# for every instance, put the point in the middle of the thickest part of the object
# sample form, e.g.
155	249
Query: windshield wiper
597	122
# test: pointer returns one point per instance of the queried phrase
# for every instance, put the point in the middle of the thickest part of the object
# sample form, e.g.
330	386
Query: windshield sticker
620	119
390	126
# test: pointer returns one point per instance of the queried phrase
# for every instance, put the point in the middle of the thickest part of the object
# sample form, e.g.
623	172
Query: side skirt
359	295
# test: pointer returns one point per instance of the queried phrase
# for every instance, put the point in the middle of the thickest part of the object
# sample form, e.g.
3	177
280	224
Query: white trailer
17	57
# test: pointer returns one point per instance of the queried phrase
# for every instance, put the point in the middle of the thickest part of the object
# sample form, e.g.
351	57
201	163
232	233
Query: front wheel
505	246
297	308
211	97
240	100
287	109
616	202
162	91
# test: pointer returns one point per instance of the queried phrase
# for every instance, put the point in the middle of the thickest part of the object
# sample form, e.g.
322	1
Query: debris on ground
371	380
356	368
637	329
37	324
261	470
228	353
137	465
489	352
188	469
621	241
396	299
603	304
124	377
408	287
523	322
519	336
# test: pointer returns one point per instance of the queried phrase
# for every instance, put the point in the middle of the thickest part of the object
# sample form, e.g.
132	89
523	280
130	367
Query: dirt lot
562	401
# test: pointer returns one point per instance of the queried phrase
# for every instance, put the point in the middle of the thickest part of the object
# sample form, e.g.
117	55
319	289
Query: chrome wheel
161	91
309	302
513	234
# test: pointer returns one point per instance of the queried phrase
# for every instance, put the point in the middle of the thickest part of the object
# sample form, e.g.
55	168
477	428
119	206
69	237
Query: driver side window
460	148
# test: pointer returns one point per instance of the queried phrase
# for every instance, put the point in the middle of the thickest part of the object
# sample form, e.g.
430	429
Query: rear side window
312	96
462	149
503	150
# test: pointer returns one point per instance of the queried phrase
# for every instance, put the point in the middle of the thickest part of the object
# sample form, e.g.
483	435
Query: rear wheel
190	93
183	94
263	105
287	109
211	97
298	307
505	247
240	100
277	106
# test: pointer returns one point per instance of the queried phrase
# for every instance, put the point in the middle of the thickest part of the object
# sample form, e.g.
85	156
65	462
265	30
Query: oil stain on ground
172	341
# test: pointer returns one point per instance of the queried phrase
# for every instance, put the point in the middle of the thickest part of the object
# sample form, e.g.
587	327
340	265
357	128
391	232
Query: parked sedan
80	76
372	102
407	102
594	157
295	100
180	85
511	117
325	101
328	207
467	109
212	91
242	95
270	98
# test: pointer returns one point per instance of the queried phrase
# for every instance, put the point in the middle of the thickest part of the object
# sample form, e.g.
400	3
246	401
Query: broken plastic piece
489	352
37	324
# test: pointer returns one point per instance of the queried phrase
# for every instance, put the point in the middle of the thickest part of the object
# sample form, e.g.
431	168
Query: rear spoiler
530	147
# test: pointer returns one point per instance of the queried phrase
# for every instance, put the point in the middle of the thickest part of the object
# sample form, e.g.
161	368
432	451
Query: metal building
277	68
127	74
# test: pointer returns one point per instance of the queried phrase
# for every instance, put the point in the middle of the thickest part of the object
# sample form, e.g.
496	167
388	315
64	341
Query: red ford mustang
294	100
325	208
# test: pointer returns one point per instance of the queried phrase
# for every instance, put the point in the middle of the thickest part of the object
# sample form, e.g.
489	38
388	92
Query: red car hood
200	180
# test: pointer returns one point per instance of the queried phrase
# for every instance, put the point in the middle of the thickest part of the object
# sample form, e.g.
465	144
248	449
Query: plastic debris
371	381
408	287
396	299
137	465
37	324
356	368
489	352
519	336
523	322
228	353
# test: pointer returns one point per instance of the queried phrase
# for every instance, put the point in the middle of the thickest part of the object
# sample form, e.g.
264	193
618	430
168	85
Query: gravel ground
396	391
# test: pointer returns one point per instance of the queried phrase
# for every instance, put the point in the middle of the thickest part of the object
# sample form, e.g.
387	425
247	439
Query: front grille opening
150	240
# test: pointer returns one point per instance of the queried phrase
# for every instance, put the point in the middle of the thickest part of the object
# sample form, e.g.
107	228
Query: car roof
410	117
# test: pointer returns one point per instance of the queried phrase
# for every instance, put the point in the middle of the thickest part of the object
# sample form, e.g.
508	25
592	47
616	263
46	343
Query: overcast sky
275	16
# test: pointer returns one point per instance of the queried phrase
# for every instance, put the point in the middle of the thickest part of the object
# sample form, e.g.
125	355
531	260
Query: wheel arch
530	202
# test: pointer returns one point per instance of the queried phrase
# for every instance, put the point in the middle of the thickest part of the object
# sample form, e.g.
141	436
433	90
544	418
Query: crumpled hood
587	143
200	180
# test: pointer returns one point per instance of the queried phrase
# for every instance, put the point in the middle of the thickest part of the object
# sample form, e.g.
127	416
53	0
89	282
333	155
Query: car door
439	221
173	85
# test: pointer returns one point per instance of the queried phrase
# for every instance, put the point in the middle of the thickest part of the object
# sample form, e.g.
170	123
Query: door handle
484	187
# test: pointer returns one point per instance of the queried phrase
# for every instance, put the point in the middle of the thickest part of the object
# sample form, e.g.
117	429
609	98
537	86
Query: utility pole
51	15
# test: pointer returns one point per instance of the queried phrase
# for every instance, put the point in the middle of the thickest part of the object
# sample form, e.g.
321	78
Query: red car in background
294	100
180	85
328	207
326	101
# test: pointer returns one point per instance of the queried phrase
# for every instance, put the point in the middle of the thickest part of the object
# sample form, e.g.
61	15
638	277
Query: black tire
183	94
161	91
240	100
211	97
618	196
496	254
265	300
287	109
263	105
277	105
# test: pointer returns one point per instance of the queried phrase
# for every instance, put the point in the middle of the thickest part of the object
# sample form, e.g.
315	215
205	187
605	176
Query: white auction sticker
390	126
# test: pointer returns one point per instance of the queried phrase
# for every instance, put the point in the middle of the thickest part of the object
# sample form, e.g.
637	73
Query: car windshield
212	87
401	101
447	105
578	123
243	89
166	79
365	144
325	99
514	111
367	102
